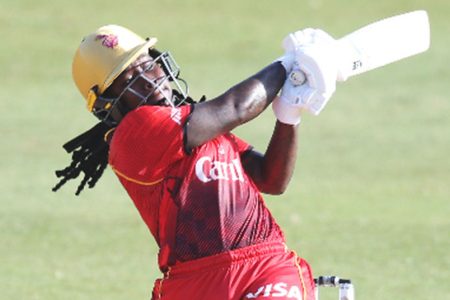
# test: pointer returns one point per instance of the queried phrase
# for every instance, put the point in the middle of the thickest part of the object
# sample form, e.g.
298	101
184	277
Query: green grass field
370	196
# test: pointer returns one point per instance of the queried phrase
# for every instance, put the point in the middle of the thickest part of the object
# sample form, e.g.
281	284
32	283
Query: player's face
142	83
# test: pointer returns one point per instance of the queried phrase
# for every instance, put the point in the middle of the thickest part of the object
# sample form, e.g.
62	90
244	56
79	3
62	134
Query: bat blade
383	42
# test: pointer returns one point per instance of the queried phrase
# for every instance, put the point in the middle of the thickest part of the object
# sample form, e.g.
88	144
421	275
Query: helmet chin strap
123	109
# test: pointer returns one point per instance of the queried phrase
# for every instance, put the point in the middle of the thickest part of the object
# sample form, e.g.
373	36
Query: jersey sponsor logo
175	115
207	170
276	290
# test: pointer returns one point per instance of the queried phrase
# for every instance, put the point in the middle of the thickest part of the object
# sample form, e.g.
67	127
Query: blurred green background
370	195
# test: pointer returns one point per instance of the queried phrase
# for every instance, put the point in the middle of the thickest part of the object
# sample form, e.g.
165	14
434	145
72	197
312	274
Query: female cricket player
196	185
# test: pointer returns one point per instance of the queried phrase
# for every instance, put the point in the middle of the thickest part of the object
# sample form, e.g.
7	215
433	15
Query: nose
152	83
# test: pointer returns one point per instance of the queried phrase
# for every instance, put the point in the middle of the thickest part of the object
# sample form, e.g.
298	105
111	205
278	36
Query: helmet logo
108	40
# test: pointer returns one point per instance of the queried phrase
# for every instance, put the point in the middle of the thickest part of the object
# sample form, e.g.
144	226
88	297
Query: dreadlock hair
89	155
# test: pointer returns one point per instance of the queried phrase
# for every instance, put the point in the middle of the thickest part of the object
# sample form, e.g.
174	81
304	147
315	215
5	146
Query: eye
128	79
149	66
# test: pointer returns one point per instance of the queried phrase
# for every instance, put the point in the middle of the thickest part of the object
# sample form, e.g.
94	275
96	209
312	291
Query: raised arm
272	171
238	105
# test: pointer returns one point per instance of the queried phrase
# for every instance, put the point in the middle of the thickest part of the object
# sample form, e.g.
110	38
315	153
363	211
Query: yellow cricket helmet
102	56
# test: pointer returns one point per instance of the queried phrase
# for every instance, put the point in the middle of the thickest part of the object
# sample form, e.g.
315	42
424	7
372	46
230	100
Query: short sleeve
147	141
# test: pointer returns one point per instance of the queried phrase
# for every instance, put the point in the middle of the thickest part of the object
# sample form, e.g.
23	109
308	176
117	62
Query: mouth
162	96
159	92
162	102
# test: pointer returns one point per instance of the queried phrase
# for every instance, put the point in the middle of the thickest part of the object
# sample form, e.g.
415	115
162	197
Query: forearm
249	98
272	171
280	157
256	93
240	104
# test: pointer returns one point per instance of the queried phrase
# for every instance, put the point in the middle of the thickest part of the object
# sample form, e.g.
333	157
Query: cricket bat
383	42
378	44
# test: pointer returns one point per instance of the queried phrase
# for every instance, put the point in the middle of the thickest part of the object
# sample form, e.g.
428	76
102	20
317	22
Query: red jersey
195	204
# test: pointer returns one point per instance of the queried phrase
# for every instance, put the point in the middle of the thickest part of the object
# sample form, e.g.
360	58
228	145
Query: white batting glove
311	79
320	69
315	58
293	41
290	44
292	100
287	60
307	36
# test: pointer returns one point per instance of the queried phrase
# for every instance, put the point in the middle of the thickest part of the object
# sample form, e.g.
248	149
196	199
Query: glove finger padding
294	40
318	64
313	50
304	37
